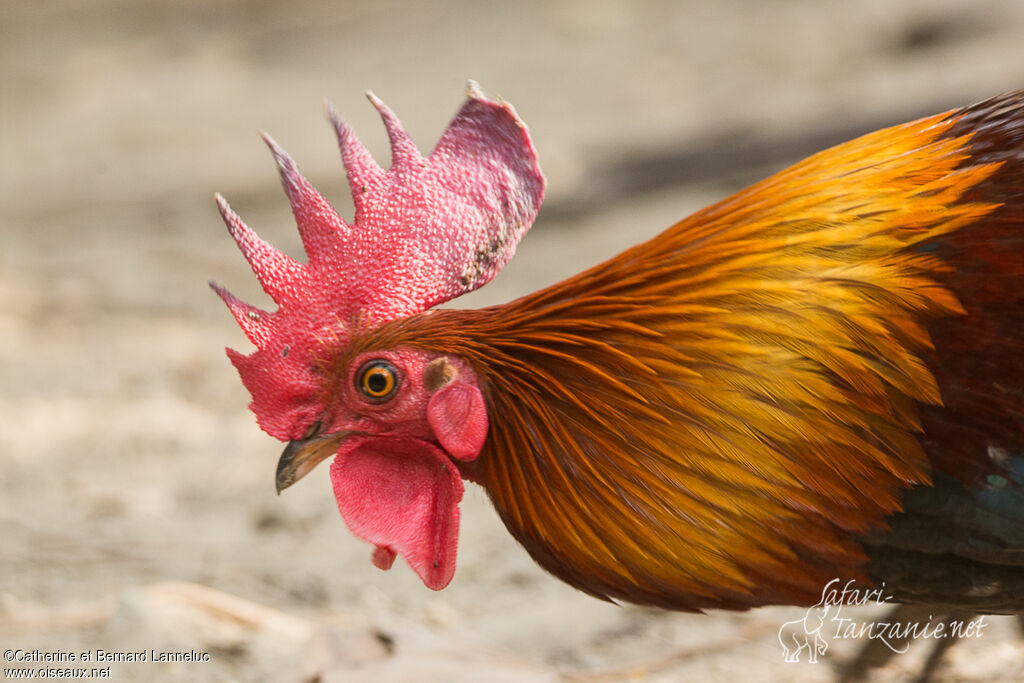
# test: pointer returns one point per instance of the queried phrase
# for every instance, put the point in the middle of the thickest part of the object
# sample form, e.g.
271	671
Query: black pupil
377	381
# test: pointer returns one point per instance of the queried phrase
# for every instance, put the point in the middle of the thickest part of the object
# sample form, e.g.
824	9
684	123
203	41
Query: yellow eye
377	380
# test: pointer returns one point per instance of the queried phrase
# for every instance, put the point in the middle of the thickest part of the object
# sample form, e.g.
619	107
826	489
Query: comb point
272	267
403	150
360	166
331	114
473	90
291	179
252	320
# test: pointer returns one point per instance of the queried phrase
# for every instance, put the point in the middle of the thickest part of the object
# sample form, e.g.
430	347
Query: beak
300	457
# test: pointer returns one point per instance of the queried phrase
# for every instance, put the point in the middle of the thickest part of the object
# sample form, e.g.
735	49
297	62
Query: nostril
312	430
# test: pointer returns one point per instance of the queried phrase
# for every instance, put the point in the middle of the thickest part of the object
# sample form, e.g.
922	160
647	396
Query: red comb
425	231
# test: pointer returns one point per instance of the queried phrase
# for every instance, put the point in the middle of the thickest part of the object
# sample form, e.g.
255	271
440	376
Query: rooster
821	376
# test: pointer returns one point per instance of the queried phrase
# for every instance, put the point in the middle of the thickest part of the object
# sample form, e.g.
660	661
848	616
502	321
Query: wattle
403	496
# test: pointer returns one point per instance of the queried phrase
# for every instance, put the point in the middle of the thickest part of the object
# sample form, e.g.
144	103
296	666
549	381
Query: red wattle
402	495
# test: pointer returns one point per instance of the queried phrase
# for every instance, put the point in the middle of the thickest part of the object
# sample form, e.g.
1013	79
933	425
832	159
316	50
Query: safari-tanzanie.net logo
826	622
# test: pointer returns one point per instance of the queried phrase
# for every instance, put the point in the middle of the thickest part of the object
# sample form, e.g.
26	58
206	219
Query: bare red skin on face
402	495
397	480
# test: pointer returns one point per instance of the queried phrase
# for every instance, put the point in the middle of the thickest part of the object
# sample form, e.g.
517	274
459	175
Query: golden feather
713	417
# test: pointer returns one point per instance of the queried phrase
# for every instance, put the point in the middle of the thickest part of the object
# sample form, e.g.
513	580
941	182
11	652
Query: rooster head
426	230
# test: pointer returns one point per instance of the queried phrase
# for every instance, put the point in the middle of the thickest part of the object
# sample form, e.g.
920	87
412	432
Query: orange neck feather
713	418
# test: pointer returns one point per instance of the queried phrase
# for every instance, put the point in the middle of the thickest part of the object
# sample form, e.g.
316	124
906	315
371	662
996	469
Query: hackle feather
718	417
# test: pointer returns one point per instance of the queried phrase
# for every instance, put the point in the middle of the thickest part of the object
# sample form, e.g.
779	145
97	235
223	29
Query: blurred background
137	507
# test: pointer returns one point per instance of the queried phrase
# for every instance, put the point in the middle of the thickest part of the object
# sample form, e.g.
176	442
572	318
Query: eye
377	380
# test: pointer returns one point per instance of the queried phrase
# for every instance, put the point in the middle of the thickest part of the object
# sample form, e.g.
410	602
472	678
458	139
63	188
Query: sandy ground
137	509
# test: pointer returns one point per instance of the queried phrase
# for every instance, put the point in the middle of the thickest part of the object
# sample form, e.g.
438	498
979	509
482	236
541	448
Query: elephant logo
800	634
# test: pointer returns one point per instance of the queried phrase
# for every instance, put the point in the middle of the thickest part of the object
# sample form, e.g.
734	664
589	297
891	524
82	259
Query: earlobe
458	415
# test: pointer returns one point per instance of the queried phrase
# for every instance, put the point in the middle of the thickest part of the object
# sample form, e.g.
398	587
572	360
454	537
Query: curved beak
300	457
